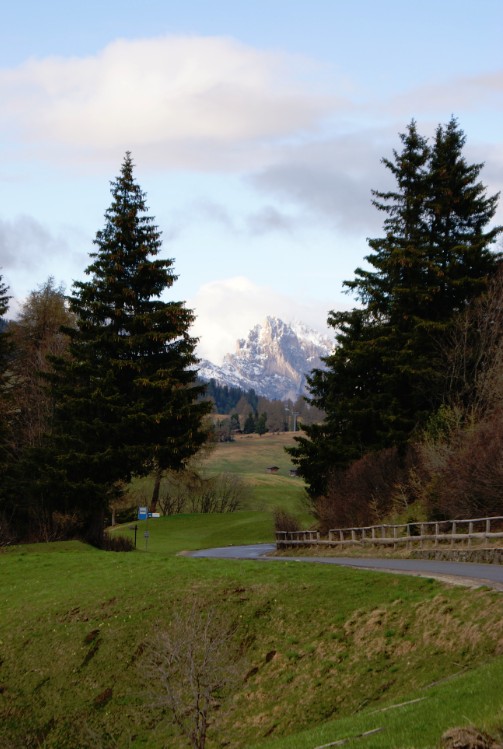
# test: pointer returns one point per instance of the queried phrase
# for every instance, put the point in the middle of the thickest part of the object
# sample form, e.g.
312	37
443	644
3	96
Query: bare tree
193	663
37	336
461	448
474	353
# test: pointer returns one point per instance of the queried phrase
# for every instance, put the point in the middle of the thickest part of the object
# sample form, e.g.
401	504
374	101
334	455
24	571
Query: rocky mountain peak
274	359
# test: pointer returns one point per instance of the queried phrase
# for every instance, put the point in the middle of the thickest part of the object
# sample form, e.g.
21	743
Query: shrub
116	543
7	534
192	663
283	521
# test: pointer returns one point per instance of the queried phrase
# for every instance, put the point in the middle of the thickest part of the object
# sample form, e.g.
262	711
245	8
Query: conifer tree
126	398
250	424
385	375
261	424
5	352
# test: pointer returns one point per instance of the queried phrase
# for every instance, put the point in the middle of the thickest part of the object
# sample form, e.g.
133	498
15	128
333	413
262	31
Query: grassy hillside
327	650
250	456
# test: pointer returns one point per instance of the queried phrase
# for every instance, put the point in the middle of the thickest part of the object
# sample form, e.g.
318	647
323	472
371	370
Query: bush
283	521
7	534
116	543
191	664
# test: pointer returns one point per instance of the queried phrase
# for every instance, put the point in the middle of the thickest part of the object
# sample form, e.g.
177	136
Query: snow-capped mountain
273	360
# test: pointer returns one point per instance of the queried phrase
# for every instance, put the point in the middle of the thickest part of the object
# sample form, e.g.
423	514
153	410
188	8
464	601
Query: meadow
384	661
249	457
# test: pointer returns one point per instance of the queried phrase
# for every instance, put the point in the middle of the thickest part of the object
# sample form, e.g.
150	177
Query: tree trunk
156	489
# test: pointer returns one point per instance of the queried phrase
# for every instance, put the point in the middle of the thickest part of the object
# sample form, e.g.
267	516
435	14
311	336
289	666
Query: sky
257	129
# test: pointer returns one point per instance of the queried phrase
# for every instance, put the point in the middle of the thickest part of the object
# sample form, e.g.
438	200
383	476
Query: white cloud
179	98
463	93
228	309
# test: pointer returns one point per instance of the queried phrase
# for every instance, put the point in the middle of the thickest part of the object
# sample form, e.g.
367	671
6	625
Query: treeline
413	393
244	411
225	397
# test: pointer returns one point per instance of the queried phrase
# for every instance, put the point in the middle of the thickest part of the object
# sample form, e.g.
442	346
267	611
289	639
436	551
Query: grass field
326	649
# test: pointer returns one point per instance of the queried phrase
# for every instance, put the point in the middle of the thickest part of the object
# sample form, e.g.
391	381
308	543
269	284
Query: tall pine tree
126	398
385	376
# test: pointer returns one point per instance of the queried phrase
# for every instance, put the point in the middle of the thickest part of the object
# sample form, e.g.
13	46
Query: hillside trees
126	399
386	375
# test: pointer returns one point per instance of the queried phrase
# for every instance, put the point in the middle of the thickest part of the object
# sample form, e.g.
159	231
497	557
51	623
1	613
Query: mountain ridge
273	360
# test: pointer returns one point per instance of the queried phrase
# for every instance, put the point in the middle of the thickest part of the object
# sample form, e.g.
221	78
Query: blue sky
257	129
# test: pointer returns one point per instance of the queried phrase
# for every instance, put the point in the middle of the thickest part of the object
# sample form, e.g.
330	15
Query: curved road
462	573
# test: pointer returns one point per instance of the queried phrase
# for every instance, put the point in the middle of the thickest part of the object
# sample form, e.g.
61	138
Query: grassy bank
326	649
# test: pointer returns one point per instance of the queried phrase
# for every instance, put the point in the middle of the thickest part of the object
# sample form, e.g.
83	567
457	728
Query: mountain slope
273	360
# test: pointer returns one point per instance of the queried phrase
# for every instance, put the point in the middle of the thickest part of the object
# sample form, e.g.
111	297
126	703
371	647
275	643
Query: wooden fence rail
408	534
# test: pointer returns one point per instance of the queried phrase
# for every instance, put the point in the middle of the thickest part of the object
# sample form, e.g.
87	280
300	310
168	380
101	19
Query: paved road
465	573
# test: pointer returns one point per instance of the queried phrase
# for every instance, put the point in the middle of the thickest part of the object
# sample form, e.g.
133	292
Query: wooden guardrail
440	532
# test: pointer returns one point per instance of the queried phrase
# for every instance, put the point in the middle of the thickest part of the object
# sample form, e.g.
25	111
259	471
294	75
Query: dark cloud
333	179
270	219
30	253
213	211
25	243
